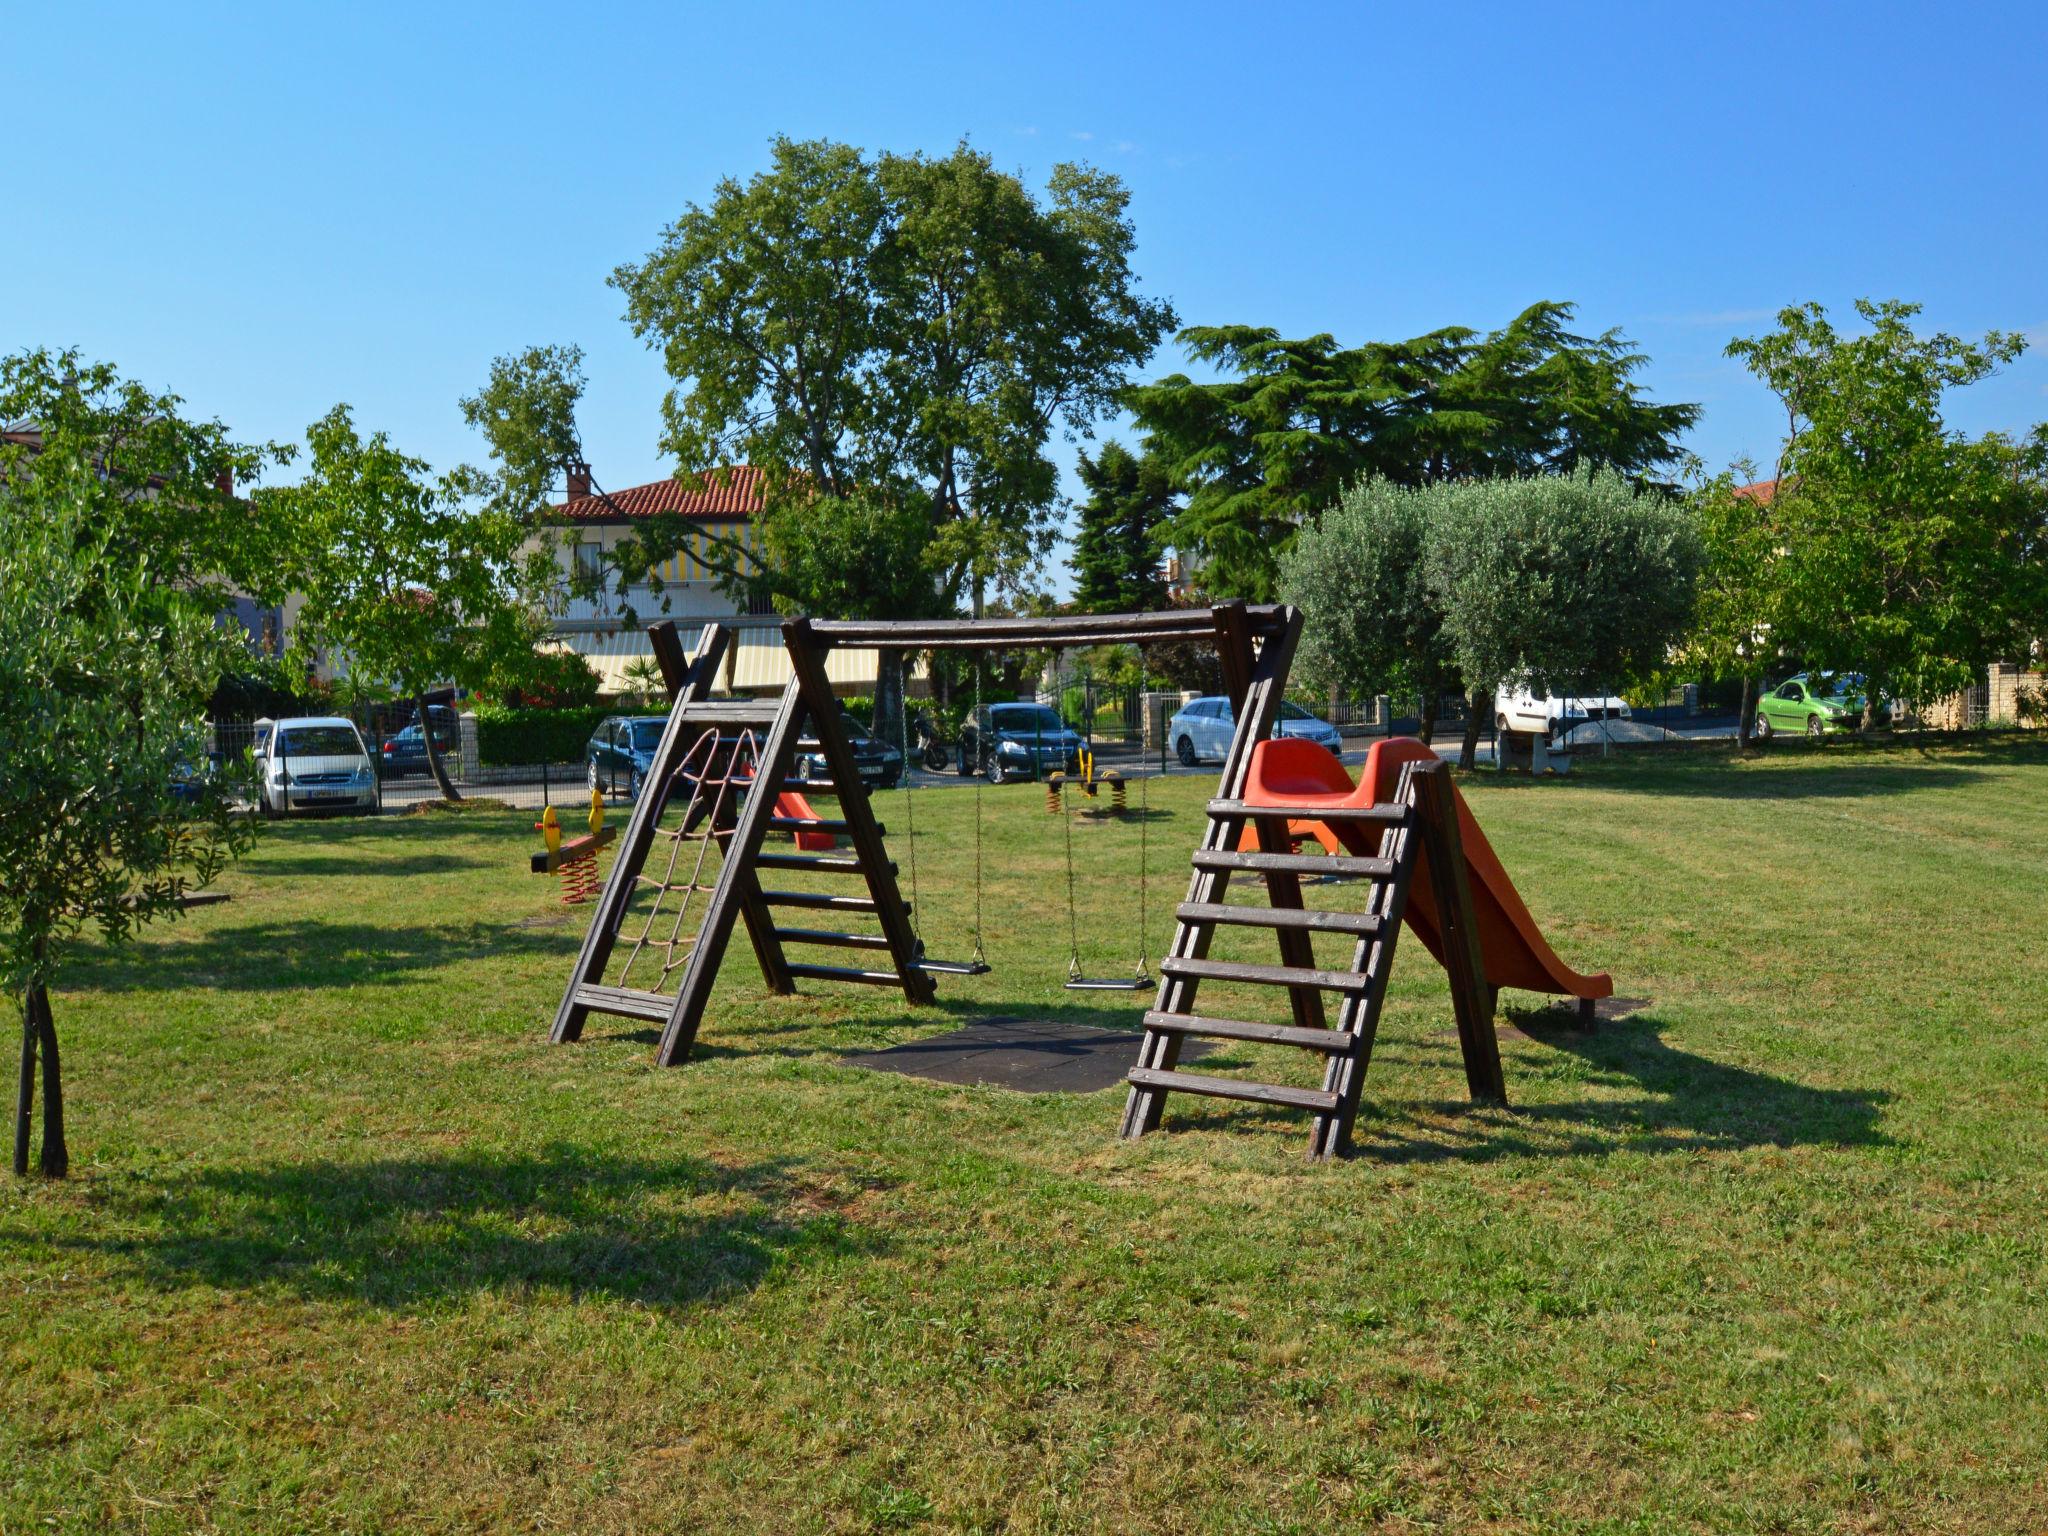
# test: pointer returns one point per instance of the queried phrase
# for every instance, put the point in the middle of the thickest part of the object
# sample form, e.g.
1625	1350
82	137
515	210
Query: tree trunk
25	1101
435	766
1747	719
56	1158
1475	710
888	721
1426	710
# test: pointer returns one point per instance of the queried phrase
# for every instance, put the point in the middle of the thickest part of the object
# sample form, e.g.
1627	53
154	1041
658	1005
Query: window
1790	692
589	560
319	741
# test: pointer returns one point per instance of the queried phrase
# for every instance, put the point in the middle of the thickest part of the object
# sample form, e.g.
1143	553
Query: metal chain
978	957
910	814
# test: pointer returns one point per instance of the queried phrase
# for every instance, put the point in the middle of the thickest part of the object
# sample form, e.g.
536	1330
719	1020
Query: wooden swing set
733	758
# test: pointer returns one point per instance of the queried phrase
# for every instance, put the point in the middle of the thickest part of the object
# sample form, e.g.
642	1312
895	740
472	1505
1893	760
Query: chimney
224	482
579	479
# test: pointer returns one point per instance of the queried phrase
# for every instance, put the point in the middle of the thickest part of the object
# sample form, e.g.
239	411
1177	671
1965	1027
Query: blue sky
270	209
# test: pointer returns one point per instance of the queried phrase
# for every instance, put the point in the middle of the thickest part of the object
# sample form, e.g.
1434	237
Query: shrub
508	735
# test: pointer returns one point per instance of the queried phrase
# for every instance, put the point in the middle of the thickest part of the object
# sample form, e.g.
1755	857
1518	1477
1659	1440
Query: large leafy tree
117	534
1906	551
416	580
1264	452
1735	627
1116	559
905	332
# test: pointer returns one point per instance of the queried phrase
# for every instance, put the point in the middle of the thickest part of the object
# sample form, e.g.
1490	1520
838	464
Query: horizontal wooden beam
1031	633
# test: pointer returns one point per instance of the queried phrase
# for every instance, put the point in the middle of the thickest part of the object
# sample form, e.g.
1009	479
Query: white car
1517	709
317	763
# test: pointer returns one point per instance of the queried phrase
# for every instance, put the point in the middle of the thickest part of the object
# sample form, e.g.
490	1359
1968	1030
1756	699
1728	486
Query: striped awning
756	662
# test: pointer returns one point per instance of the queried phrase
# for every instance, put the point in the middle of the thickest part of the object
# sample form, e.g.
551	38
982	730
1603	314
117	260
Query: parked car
1813	705
880	765
1534	714
1016	741
317	763
406	752
620	753
1202	729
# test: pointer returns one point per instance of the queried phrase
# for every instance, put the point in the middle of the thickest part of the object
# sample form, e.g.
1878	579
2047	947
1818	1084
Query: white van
317	763
1517	709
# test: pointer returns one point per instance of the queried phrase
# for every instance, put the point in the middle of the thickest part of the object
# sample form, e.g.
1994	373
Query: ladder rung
1265	975
817	863
1360	923
1233	1088
1294	863
817	824
823	900
729	712
836	940
843	973
1328	810
627	1002
1336	1042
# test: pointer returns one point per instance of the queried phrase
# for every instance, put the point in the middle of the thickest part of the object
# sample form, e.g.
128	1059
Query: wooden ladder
737	892
1420	822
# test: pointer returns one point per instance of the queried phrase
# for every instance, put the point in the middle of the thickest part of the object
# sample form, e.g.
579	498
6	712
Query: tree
1116	556
1371	621
1907	552
106	662
417	581
1735	624
901	334
1262	455
1570	581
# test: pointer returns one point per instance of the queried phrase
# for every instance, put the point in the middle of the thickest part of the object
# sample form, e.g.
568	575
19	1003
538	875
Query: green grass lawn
350	1247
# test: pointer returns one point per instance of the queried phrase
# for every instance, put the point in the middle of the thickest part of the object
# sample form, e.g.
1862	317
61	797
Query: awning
756	662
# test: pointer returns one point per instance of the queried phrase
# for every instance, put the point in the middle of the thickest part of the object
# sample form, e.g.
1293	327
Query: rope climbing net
717	769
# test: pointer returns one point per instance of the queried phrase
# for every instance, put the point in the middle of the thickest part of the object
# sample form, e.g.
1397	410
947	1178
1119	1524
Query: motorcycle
929	746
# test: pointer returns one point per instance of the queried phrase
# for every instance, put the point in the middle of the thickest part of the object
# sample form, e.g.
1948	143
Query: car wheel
1184	750
1814	729
967	756
635	781
892	780
591	778
997	772
1762	730
1501	726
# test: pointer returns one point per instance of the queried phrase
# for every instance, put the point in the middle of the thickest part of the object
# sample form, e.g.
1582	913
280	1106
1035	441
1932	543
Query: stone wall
2015	696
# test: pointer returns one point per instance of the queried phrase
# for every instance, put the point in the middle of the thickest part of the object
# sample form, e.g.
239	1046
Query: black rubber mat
1031	1056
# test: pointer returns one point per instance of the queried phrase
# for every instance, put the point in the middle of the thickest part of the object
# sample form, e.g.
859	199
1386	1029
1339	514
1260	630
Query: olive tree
107	822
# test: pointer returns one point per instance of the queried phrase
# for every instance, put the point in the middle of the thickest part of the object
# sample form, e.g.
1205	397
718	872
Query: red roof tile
1762	492
723	495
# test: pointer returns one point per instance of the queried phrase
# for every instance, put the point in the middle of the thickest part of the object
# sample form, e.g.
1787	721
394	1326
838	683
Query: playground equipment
1406	837
576	860
1088	781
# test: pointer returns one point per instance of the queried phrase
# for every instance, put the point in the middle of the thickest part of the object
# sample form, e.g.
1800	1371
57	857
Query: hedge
506	735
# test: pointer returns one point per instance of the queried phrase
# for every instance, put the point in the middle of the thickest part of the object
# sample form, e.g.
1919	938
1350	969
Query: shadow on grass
402	1231
1680	1103
307	952
1796	771
363	862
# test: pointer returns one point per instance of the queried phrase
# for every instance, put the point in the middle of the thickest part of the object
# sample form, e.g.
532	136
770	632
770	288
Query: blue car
621	753
1202	730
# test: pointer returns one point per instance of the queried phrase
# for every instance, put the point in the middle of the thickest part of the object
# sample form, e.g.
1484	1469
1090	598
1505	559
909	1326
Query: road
566	791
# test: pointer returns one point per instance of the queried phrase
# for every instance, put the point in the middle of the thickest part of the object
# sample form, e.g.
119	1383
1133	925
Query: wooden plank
1253	974
669	655
1464	959
863	832
757	716
1334	810
1329	1040
832	940
1232	1088
627	1002
1277	917
1299	863
677	738
823	900
844	973
816	863
1012	633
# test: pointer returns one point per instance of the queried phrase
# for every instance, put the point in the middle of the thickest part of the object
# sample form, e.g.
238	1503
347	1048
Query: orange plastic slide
1286	771
797	808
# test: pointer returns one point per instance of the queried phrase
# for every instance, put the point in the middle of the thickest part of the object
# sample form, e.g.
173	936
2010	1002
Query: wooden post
1443	846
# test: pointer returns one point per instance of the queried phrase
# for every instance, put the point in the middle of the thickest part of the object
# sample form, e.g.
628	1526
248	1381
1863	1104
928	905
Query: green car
1812	705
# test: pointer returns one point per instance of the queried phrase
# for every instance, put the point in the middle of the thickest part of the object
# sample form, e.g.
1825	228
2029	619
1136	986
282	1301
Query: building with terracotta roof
721	510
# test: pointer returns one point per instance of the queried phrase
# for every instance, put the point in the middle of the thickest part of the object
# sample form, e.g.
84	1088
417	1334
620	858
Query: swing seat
954	967
1107	984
